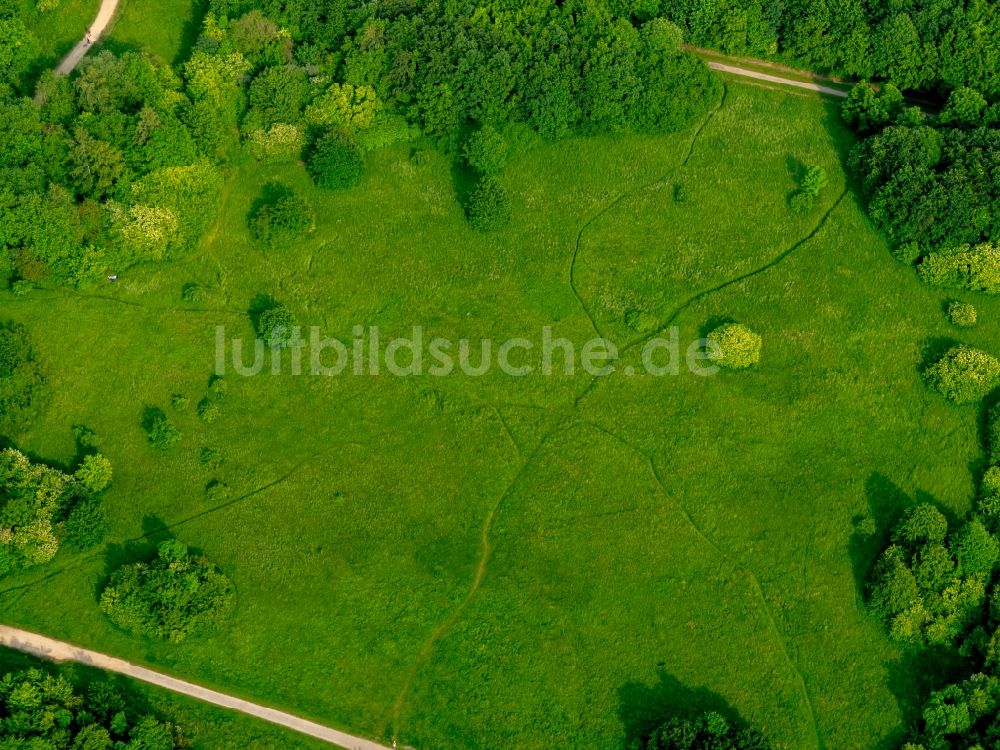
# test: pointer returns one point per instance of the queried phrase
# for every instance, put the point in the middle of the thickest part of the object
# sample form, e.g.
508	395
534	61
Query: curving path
46	648
104	15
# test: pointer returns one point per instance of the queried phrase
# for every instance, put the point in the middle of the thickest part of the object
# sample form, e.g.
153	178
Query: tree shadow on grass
191	30
990	404
271	193
642	708
886	502
464	179
141	549
933	348
911	680
712	323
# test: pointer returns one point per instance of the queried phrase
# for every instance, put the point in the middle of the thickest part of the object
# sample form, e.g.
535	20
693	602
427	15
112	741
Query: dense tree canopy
935	585
708	731
174	596
937	46
41	506
42	711
104	173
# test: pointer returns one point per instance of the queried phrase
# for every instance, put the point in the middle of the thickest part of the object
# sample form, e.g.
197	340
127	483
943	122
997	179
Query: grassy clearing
58	29
475	562
139	24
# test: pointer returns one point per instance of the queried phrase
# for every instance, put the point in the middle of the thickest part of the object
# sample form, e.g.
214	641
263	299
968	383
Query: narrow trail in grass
77	561
755	580
424	655
778	259
146	306
626	195
730	560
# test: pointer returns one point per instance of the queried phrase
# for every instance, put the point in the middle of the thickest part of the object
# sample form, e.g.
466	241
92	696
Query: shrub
173	597
86	524
279	143
709	731
180	402
489	207
813	181
208	410
216	492
278	223
162	433
277	326
962	314
23	390
193	293
680	193
811	185
801	203
738	346
210	458
486	151
963	374
335	162
907	252
22	287
218	387
976	268
94	473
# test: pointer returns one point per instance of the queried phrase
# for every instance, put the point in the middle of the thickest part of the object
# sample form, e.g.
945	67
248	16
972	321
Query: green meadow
517	562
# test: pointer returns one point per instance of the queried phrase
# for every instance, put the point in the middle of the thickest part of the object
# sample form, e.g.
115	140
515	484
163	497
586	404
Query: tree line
934	46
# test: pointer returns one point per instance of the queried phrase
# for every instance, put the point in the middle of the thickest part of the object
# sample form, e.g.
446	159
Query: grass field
502	562
58	29
140	24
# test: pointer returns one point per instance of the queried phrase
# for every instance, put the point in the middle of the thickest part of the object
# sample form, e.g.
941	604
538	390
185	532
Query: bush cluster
963	374
174	596
277	223
489	207
738	346
335	162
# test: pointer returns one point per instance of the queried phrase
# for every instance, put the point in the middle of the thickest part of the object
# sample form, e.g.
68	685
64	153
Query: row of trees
559	67
935	585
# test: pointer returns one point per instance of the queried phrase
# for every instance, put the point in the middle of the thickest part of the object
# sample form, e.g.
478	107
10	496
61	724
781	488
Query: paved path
104	14
748	73
46	648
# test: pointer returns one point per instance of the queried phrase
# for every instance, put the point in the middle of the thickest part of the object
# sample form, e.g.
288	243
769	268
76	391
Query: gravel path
46	648
104	14
748	73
